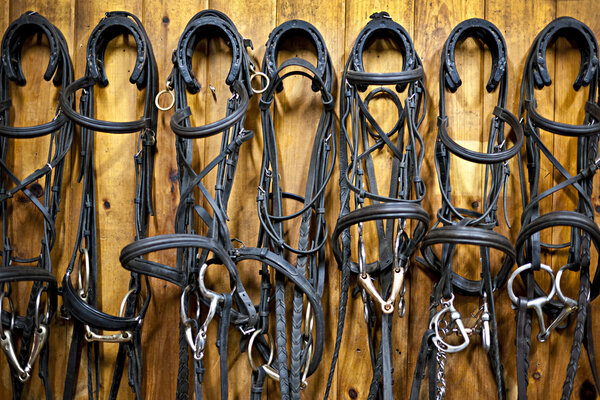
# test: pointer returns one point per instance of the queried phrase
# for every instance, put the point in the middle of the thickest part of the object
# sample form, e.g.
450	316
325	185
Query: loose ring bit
538	302
569	306
251	345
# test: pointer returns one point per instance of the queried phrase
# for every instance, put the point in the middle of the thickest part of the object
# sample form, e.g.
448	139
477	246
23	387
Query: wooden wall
429	23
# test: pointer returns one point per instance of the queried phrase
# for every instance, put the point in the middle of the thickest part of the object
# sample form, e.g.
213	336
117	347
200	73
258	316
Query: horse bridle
361	136
81	299
196	252
33	327
313	229
584	231
359	181
193	249
461	226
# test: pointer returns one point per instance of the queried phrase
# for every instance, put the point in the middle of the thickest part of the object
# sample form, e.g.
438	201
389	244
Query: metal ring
511	293
251	344
262	75
12	313
38	300
309	318
204	291
304	383
564	299
158	97
83	288
124	302
184	298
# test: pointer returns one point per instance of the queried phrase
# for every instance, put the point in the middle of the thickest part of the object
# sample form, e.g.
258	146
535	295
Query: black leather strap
214	246
468	235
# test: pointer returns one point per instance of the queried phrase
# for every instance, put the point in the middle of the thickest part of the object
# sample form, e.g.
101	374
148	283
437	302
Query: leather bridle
313	229
33	327
197	251
584	231
458	226
81	299
358	181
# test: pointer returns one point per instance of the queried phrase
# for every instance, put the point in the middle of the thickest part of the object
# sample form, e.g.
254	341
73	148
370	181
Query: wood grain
164	21
295	112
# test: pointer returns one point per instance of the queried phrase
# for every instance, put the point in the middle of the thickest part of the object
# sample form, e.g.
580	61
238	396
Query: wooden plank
429	23
519	37
36	104
242	206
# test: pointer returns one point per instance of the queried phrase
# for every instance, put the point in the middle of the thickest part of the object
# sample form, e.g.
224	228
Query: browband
304	354
145	73
81	299
393	210
382	24
205	23
584	232
456	226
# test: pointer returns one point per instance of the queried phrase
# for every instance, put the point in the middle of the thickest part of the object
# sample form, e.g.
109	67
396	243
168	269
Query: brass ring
160	94
262	75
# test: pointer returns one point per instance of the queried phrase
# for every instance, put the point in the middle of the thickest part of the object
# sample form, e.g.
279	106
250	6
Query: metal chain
440	375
